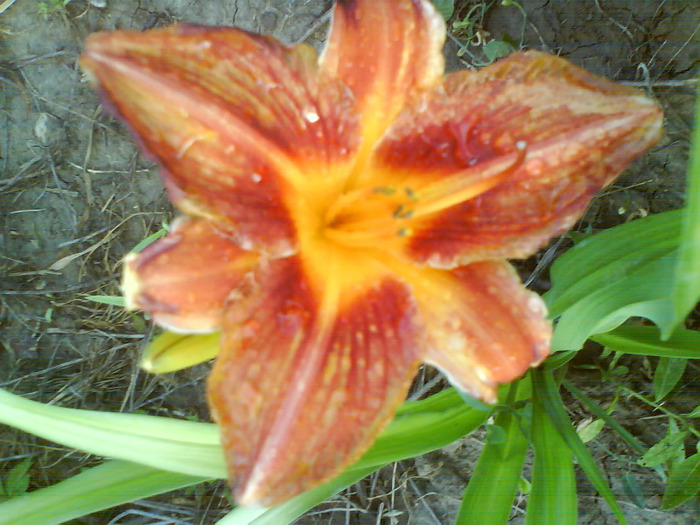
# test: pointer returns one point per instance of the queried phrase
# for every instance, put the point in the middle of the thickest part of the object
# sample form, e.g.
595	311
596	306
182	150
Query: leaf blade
668	373
496	476
683	483
107	485
687	275
547	390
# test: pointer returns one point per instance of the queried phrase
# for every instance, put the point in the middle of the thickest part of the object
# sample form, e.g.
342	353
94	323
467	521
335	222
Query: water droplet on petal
535	167
311	115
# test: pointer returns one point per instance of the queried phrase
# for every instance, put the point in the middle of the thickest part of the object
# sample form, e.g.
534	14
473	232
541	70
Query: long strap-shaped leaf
687	276
110	484
159	442
419	427
553	495
492	486
546	393
646	340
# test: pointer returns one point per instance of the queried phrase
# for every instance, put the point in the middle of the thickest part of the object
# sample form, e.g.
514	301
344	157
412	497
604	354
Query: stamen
447	193
370	215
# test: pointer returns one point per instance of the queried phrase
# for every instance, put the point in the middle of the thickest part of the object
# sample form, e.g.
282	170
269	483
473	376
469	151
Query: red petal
183	279
386	52
559	133
484	327
305	381
236	120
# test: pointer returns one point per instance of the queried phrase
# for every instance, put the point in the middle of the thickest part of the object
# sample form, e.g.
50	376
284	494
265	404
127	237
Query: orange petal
545	135
484	327
234	120
386	52
304	383
183	279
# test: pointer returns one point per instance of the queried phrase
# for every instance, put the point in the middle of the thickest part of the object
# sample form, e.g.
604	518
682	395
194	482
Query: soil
76	196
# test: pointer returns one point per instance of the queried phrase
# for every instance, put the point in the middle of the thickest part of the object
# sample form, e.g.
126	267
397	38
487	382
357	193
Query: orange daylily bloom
349	217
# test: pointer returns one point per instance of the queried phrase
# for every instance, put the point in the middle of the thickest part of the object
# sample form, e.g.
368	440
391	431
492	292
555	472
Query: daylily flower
348	217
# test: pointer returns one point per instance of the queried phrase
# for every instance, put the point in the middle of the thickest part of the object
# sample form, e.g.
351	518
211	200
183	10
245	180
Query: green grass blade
687	276
488	499
547	393
553	495
646	340
150	240
112	300
600	412
110	484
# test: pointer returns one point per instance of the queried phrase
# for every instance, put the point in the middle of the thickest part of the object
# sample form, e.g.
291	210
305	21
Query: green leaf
687	276
683	483
668	372
598	411
495	434
558	360
110	484
677	456
553	495
17	481
496	49
189	447
421	427
589	429
645	340
445	7
547	391
665	450
618	273
150	240
633	490
695	412
114	300
496	476
159	442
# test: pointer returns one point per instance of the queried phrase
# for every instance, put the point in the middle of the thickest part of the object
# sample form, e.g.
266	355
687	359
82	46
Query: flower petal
234	119
386	52
511	155
305	381
183	279
484	328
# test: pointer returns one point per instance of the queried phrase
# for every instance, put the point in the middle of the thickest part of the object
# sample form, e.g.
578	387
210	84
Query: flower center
370	216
